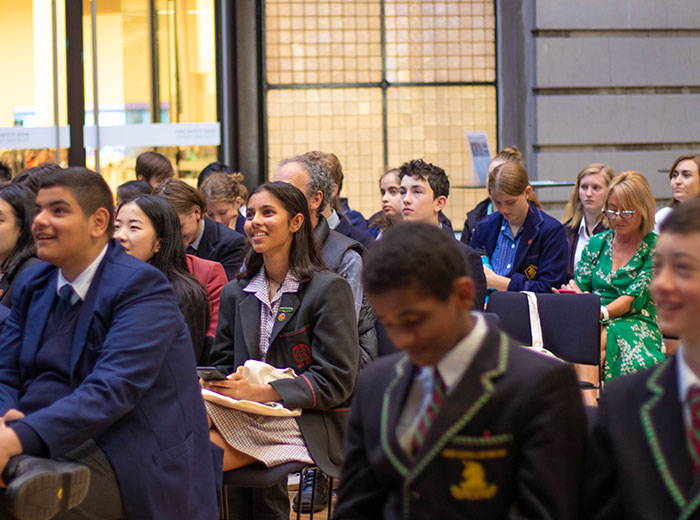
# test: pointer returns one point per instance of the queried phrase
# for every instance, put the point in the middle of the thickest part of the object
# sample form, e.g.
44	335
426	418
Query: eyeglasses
626	214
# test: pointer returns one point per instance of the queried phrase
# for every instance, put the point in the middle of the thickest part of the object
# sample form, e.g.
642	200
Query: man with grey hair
342	255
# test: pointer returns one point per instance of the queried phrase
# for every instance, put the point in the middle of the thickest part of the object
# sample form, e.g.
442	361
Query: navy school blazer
315	333
135	388
224	245
542	256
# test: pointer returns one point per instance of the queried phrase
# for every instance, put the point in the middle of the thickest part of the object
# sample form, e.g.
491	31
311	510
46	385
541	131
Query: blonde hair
510	178
224	187
574	208
633	190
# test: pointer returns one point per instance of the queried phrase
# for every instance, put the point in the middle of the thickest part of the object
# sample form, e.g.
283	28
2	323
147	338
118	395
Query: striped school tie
693	399
428	414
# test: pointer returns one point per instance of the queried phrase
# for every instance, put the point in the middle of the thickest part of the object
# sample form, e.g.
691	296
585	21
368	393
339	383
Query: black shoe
39	489
320	497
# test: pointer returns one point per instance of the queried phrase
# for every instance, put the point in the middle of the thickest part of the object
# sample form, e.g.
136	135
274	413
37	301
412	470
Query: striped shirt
260	287
503	256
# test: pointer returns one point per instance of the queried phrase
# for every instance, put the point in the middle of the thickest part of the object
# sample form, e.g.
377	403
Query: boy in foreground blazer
98	390
646	440
464	423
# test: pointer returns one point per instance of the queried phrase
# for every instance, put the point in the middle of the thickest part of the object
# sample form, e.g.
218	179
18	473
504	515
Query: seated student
289	311
147	227
96	368
424	191
645	452
203	237
131	189
684	177
526	248
17	249
463	423
154	168
225	194
338	221
389	185
210	169
484	208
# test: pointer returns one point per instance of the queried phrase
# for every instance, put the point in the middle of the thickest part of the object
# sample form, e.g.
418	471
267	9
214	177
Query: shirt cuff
31	442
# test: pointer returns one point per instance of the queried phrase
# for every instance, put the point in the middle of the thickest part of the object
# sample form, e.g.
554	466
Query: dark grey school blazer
315	333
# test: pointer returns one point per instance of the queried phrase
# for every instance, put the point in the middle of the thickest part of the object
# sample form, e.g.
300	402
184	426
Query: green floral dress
634	339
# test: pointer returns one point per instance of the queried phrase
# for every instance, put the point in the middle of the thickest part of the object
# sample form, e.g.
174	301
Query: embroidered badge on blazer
531	272
473	485
302	355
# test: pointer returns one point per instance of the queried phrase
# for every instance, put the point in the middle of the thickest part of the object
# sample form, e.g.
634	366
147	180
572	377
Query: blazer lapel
662	422
41	303
531	227
288	308
392	404
249	311
470	395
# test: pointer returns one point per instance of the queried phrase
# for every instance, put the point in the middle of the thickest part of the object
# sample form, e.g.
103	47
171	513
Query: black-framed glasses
626	214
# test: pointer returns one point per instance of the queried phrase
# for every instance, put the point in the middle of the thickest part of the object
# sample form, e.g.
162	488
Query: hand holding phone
210	374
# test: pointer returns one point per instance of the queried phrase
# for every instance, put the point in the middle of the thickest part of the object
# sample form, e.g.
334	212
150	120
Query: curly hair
421	170
224	187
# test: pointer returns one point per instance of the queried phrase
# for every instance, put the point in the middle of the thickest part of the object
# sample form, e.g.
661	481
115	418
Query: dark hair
33	177
181	196
304	253
171	261
215	167
23	203
685	157
89	189
131	189
421	170
319	178
684	219
417	255
5	172
154	165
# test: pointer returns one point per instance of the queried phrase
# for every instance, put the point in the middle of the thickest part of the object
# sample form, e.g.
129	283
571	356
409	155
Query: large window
381	82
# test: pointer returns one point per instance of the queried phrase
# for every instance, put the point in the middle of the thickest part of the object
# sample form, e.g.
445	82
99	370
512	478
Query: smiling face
268	226
514	208
224	212
591	192
417	202
676	284
390	187
64	235
422	325
9	230
685	181
135	232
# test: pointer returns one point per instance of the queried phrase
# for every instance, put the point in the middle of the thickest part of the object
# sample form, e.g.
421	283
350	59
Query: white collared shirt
582	242
195	245
451	367
82	282
333	220
686	379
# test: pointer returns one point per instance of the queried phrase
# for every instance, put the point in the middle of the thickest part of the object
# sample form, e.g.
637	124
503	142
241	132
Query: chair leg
301	480
224	504
313	494
330	496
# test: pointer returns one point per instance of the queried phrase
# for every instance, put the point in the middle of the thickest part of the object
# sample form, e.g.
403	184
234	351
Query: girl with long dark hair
149	229
17	248
285	309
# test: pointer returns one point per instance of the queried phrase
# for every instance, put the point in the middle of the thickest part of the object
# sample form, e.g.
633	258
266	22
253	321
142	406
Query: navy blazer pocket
178	452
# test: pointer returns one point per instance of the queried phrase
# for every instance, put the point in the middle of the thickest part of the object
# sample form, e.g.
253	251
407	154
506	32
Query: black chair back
570	323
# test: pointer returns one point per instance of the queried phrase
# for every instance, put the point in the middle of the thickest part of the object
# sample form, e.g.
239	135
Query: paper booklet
256	372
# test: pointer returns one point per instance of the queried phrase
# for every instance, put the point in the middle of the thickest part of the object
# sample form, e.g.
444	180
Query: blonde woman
617	265
583	215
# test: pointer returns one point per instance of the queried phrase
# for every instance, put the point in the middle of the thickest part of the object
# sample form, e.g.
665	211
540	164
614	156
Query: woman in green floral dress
617	266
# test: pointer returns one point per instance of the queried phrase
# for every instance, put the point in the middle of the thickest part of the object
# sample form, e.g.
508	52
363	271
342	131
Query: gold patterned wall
310	42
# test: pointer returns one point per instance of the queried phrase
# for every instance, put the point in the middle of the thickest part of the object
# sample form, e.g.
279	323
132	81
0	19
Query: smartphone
567	291
210	374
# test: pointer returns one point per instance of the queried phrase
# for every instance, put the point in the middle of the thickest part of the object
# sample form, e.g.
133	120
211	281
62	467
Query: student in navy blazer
541	256
203	237
129	385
